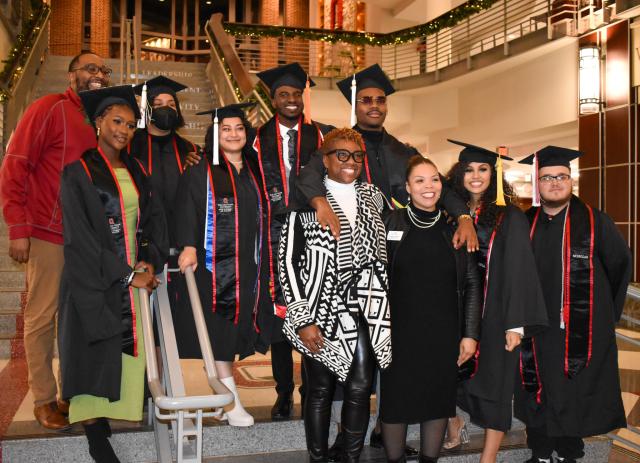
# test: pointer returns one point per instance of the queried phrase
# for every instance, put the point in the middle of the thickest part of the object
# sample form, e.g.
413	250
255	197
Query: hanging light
589	80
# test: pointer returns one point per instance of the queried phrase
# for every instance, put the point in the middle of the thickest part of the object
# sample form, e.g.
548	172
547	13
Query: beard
556	203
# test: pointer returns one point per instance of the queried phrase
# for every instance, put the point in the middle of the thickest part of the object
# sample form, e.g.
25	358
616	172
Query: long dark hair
490	211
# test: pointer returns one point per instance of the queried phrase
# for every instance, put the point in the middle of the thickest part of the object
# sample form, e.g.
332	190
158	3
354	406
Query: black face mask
165	118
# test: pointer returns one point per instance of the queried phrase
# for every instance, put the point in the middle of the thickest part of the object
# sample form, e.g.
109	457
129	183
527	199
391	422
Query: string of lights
15	61
450	19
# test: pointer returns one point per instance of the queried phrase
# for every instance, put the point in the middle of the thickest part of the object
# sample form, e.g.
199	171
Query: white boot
238	416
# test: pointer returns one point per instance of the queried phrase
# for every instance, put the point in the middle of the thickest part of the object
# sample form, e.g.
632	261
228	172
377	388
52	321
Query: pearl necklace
421	224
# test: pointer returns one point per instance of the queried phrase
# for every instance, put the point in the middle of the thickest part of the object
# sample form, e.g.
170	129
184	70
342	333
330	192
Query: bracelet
464	216
130	279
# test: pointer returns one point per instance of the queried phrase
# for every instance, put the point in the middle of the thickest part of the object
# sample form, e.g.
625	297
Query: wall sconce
589	80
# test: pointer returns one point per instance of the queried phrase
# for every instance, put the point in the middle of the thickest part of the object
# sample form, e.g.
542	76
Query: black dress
420	384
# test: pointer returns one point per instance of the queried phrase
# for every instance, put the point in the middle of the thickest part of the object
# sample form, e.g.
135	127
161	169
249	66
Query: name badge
394	235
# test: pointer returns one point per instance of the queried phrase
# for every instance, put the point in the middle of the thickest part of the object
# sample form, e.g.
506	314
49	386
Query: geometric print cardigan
330	283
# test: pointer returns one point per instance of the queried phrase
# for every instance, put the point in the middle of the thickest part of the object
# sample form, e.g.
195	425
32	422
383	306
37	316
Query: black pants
543	446
321	384
282	368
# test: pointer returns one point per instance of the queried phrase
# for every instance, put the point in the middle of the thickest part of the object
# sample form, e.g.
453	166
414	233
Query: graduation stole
576	303
104	180
217	215
175	151
274	180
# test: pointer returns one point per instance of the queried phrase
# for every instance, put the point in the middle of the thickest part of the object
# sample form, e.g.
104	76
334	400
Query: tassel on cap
142	122
499	186
307	101
216	156
535	194
353	101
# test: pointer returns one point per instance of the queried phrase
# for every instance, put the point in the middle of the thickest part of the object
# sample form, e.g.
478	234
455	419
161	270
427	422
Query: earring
98	131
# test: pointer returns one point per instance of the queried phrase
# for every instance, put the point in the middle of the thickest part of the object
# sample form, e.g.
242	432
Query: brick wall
100	27
66	27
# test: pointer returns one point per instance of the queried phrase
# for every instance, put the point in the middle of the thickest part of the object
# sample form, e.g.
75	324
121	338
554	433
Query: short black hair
75	59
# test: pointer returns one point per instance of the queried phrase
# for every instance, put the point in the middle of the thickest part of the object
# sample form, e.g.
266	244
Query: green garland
13	64
449	19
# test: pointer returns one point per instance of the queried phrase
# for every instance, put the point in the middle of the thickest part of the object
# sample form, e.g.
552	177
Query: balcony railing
341	53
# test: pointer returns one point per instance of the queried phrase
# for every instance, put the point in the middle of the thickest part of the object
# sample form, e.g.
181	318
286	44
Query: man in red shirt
53	132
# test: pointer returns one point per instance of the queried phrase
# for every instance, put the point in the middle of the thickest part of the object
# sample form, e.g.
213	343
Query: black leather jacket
468	279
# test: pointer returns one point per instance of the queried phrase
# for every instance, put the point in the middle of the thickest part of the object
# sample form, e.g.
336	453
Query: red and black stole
222	238
576	301
268	146
104	180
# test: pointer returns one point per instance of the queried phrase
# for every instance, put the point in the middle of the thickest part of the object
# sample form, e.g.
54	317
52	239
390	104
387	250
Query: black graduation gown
590	403
240	311
513	298
164	164
90	319
267	152
387	162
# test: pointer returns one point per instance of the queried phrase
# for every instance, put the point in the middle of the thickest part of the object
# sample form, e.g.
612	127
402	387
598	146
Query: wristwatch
126	281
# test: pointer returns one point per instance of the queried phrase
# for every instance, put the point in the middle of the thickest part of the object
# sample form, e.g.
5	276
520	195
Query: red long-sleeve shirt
52	133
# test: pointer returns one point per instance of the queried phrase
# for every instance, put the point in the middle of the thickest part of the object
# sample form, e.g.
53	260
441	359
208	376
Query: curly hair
340	134
489	216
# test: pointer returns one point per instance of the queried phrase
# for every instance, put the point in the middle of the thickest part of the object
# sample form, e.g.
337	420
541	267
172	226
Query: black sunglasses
92	68
369	100
344	155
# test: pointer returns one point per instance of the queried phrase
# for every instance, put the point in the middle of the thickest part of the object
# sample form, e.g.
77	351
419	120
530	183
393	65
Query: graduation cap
293	75
547	157
154	87
473	153
371	77
219	114
96	101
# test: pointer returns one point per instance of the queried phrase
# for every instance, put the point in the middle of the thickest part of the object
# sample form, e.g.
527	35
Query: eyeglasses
344	155
554	178
92	68
369	100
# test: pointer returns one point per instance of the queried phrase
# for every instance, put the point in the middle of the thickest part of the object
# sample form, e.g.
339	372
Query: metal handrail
163	401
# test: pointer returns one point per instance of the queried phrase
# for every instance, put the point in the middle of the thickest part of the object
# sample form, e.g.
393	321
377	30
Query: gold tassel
499	187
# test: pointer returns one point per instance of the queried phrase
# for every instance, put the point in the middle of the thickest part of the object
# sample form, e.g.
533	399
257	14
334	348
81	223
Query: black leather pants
320	384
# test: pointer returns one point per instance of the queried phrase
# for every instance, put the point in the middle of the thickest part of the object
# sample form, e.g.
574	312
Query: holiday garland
14	63
449	19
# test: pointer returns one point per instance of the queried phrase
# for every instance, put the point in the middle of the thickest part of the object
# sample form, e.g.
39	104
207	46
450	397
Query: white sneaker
238	416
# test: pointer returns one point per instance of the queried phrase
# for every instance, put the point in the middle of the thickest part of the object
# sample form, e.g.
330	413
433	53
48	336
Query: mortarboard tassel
143	108
216	159
307	102
499	186
353	101
535	194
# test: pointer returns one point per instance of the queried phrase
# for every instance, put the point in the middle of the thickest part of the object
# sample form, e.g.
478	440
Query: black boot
283	407
424	459
335	451
99	446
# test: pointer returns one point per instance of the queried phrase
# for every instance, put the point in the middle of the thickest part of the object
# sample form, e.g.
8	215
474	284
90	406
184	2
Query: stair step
7	263
12	280
10	298
268	442
7	325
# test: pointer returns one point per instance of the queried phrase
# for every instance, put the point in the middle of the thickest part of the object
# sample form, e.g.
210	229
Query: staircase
198	97
12	287
266	441
52	78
